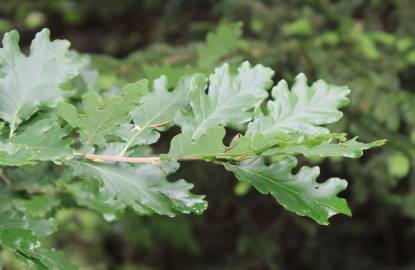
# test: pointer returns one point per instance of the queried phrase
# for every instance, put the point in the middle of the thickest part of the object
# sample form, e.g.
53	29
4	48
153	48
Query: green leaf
218	44
173	74
230	99
398	165
22	237
207	146
40	141
102	116
300	193
134	135
158	108
351	149
41	227
303	109
1	128
86	193
36	206
48	259
9	220
19	238
144	188
28	82
247	146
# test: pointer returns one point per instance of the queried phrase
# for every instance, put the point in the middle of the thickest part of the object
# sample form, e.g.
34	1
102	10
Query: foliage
112	128
367	45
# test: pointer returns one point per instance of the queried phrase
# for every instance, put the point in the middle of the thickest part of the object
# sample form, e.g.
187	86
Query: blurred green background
367	45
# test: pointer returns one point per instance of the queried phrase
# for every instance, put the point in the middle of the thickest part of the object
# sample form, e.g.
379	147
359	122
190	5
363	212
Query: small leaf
134	135
300	193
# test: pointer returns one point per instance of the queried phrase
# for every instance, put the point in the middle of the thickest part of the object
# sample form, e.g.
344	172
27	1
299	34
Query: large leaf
230	99
144	188
303	109
40	141
27	82
102	116
300	193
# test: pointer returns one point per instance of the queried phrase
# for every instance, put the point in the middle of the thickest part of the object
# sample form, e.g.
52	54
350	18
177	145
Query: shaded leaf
218	44
173	74
40	141
36	206
86	193
18	235
143	188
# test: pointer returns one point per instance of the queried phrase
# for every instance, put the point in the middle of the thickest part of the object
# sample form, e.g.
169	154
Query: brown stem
159	124
103	158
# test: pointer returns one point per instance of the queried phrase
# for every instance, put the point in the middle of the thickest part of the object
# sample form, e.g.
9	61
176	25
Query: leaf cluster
99	148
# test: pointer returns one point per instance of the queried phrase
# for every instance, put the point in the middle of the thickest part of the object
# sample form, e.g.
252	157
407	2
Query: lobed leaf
300	193
27	82
158	109
41	141
144	188
230	99
218	44
102	116
303	109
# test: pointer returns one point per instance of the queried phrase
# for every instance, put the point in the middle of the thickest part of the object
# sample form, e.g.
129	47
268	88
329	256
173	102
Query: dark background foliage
368	45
